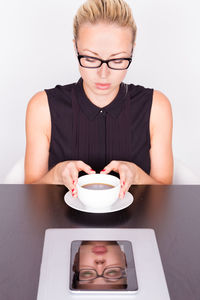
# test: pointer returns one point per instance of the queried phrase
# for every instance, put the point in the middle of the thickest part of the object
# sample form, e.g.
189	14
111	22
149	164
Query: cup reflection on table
99	265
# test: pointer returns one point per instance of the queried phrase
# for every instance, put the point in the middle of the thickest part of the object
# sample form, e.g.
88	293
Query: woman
100	265
100	124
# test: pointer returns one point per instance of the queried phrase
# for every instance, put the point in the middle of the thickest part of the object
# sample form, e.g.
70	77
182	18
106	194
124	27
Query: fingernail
103	170
123	182
73	181
72	190
92	170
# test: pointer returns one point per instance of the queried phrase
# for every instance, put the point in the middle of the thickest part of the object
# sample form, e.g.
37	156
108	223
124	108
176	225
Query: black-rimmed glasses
110	274
91	62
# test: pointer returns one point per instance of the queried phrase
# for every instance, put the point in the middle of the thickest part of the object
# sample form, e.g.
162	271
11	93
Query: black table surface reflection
26	211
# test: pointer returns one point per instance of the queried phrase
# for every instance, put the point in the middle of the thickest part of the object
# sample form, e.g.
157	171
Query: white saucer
118	205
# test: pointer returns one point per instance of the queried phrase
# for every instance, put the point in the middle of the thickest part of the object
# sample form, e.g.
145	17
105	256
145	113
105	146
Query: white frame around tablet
55	266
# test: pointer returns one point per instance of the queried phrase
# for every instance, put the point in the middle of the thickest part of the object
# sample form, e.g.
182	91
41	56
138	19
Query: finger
125	184
74	193
122	176
122	193
84	167
125	189
74	178
113	165
122	179
71	177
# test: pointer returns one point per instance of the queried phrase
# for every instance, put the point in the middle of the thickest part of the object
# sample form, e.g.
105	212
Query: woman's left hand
128	173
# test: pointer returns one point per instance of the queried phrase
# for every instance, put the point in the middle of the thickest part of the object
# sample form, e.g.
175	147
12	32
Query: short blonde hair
109	11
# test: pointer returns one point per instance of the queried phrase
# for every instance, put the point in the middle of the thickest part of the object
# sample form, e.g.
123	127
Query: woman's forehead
93	32
95	37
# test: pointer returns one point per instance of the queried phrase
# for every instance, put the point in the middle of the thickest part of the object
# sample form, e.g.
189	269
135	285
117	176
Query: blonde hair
109	11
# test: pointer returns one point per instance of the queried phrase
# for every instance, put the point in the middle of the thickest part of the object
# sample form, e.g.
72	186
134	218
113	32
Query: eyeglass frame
102	61
102	275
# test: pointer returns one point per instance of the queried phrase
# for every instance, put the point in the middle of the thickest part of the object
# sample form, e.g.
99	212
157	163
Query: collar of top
91	110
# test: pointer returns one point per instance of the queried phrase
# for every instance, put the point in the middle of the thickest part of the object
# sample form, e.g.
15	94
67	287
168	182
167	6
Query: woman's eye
112	273
90	60
86	274
120	61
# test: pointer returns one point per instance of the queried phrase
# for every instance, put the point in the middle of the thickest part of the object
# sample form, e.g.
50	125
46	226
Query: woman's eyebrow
110	55
107	266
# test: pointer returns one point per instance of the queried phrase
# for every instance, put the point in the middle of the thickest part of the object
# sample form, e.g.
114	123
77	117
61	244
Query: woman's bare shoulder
160	101
161	111
38	114
39	101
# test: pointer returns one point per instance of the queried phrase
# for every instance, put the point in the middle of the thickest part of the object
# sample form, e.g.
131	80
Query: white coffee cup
98	199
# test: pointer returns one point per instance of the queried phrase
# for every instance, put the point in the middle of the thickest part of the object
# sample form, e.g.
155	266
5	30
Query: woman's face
105	41
99	255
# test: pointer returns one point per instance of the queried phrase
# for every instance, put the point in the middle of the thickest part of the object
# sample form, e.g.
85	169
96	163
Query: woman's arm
38	135
161	139
160	153
38	132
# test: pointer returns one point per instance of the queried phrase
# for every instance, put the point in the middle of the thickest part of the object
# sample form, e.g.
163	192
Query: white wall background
36	52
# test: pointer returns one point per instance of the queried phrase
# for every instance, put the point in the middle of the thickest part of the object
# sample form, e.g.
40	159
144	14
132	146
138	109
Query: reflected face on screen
100	265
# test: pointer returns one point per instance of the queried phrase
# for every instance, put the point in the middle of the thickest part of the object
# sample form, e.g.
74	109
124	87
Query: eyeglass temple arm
76	48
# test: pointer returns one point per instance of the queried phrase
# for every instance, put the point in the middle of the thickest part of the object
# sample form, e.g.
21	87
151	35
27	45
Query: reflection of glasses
94	62
110	273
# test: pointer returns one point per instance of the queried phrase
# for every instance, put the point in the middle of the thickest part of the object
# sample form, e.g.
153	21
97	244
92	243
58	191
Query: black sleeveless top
82	131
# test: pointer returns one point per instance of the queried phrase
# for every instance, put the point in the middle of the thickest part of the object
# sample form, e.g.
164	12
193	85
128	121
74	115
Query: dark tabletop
26	211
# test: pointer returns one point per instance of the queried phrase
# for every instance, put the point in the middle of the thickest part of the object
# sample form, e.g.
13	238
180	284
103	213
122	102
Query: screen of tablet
102	266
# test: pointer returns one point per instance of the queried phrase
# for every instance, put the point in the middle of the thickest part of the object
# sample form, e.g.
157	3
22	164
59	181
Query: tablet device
102	266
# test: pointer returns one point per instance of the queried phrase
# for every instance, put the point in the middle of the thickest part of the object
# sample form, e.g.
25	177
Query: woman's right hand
67	173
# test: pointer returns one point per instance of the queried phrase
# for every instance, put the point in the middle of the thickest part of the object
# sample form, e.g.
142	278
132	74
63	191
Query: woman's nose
103	71
99	261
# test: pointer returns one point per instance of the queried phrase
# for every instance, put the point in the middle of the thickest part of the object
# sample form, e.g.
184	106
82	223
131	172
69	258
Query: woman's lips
102	86
99	250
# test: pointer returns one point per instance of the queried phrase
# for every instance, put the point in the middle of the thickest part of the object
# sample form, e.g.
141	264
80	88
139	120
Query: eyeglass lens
110	273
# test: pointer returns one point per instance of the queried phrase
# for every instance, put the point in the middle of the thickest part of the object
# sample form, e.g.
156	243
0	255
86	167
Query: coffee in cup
97	186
